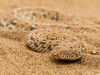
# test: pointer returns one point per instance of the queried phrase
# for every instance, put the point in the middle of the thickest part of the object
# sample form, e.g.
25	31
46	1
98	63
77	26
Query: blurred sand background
17	59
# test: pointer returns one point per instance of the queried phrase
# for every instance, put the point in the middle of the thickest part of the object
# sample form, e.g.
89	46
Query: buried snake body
44	38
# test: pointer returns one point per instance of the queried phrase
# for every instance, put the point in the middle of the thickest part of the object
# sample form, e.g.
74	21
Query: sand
17	59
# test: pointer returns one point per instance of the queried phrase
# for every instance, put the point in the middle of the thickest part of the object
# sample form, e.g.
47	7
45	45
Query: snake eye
14	22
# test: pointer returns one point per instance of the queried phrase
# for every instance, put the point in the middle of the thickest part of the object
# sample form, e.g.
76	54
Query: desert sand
17	59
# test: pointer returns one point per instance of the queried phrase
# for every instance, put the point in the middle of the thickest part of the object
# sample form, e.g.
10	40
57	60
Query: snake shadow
64	62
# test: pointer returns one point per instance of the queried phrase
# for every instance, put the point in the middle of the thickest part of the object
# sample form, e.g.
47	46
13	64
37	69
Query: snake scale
47	31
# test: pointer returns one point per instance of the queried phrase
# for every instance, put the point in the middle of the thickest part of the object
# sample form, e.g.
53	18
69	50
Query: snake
48	31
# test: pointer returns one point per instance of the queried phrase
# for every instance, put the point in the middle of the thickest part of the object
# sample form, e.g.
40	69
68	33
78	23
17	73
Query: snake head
67	51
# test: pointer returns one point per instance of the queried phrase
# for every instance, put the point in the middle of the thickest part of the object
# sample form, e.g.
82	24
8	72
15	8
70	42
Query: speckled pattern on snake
48	31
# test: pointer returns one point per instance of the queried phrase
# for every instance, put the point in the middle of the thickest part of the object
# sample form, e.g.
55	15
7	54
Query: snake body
46	31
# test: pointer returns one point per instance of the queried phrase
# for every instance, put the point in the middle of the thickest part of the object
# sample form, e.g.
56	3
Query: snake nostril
93	52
